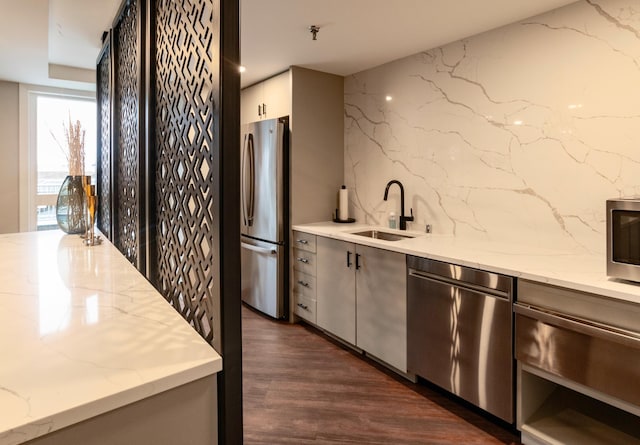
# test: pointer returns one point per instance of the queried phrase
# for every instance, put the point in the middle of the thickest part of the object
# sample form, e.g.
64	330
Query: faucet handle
409	218
404	219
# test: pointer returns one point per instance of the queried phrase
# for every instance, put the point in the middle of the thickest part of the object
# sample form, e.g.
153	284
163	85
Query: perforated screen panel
162	161
103	97
185	189
127	151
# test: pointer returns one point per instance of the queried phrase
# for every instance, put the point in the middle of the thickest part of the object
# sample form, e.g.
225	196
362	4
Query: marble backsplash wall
519	134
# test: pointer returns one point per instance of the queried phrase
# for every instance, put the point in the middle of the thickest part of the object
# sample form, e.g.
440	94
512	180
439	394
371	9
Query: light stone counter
83	333
581	272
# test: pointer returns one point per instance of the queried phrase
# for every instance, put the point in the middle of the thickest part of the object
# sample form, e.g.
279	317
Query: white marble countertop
83	333
572	270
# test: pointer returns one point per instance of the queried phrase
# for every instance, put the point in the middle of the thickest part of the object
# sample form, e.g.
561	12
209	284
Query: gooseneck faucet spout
403	219
386	193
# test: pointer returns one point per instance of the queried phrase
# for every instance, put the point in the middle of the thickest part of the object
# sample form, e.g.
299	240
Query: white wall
9	157
518	134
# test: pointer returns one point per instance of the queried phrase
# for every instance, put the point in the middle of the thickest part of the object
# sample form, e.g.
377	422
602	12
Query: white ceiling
356	35
63	34
36	35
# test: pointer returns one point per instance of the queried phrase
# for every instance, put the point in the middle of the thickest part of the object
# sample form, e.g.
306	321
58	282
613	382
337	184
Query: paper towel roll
343	204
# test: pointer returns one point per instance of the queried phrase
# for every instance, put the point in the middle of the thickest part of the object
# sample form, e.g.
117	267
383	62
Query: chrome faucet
403	219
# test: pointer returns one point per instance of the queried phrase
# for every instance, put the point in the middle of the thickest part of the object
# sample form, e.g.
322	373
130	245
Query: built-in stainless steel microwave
623	238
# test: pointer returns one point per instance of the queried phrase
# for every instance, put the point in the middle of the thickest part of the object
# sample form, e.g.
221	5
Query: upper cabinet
251	104
266	100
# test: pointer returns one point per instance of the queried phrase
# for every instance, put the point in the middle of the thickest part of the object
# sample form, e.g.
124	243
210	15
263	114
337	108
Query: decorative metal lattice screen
126	222
103	96
185	189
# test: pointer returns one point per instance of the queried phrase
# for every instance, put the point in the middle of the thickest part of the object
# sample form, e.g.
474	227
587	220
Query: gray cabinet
381	305
336	288
266	100
304	276
361	298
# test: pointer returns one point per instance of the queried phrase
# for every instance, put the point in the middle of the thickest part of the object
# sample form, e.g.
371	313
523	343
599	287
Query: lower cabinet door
335	287
381	305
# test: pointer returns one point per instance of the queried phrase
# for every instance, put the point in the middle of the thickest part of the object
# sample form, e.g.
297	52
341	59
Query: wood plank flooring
300	387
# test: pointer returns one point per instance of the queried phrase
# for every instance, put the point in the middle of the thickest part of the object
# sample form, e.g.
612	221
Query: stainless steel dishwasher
460	326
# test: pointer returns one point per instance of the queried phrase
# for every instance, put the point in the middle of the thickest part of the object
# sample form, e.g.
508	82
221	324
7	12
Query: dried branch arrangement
74	133
75	140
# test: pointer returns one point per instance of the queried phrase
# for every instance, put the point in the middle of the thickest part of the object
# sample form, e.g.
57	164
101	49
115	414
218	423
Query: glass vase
70	206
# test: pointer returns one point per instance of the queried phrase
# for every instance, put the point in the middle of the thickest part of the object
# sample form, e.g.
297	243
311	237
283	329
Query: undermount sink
386	236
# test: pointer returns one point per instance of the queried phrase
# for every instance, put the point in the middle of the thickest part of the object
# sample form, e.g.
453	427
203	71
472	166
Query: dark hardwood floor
300	387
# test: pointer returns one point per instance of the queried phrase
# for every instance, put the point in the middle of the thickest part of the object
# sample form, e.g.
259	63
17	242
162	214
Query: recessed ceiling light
242	69
388	98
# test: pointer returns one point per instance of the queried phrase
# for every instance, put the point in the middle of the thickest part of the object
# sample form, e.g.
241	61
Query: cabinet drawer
304	261
304	284
304	241
305	307
596	308
598	357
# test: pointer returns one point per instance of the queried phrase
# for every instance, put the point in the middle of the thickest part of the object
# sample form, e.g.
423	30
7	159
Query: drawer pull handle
303	260
303	283
303	241
580	325
303	306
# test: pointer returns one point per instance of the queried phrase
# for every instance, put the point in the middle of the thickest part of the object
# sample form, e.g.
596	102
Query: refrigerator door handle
243	185
258	249
248	180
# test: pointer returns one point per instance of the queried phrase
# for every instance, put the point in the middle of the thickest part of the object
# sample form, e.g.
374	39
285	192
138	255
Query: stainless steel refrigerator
264	216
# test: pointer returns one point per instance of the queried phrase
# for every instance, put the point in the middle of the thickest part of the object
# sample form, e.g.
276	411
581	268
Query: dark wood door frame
230	380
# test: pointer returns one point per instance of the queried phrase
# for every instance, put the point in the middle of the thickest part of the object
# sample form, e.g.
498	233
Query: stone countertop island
85	337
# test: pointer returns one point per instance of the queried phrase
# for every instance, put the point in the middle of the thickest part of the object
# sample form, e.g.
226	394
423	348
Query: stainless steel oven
623	238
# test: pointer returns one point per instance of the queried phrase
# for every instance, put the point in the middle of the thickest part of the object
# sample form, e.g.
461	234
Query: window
43	159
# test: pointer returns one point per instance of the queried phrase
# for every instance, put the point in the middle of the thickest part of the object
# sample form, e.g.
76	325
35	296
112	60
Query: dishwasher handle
421	275
463	275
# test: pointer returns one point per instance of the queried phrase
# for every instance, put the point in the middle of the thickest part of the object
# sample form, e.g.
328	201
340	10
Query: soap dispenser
392	220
